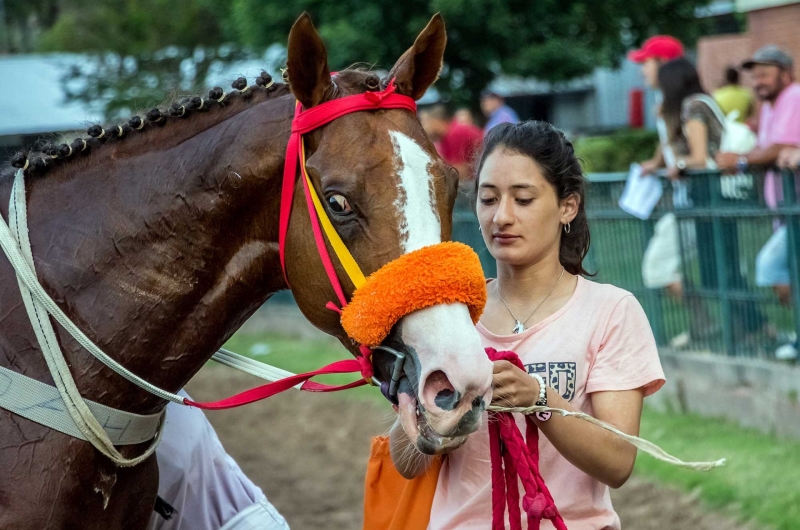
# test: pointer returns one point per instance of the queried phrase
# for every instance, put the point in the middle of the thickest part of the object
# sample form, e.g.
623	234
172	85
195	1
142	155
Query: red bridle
304	122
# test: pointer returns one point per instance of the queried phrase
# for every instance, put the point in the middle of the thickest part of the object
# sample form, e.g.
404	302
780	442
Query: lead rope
84	420
512	457
27	277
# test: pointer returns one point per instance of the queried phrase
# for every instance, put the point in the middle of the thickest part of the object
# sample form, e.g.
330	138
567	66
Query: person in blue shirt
494	107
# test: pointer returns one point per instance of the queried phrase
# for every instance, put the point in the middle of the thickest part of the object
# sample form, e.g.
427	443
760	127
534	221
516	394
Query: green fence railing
719	307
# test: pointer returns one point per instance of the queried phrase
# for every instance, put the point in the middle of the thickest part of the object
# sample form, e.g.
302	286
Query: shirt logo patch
559	376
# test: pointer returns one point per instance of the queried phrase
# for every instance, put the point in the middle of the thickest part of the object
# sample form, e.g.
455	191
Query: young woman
694	126
589	343
690	127
692	117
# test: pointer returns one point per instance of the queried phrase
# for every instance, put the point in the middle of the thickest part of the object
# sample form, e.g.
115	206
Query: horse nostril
478	403
447	399
439	390
444	399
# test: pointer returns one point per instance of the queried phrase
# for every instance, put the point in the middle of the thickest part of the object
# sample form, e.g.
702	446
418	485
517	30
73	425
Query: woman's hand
726	162
648	167
513	387
673	173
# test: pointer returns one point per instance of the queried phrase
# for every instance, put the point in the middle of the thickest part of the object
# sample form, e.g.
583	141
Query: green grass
761	480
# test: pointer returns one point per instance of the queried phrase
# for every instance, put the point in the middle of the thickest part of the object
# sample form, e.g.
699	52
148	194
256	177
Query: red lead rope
270	389
512	457
361	364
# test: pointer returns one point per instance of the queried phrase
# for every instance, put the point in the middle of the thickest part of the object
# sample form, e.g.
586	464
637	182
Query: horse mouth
413	419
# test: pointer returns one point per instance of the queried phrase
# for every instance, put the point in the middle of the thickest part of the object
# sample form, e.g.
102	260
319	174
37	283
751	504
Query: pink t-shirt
779	124
599	341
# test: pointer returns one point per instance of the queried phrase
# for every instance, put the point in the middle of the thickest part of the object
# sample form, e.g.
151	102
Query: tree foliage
553	40
140	51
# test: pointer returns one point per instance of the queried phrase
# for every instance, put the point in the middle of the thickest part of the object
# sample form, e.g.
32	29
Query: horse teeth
417	413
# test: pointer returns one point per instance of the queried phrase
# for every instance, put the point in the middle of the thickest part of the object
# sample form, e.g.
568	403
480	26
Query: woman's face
520	215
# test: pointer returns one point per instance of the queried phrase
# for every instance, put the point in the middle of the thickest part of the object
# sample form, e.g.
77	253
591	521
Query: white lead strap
86	426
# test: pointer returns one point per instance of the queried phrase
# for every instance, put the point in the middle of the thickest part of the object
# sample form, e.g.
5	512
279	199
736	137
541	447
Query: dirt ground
309	452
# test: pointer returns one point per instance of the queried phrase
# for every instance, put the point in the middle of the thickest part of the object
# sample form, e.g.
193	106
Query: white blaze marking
443	336
416	205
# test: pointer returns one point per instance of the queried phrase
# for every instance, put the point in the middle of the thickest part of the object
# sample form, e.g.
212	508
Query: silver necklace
519	326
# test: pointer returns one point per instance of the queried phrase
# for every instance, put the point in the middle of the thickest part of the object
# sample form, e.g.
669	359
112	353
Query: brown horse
160	245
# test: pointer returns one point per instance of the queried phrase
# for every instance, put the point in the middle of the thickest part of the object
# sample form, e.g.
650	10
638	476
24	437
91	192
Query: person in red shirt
456	141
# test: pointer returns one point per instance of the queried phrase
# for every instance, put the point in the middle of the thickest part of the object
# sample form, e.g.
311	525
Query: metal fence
721	232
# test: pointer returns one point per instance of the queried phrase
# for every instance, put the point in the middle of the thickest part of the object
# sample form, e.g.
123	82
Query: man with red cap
654	52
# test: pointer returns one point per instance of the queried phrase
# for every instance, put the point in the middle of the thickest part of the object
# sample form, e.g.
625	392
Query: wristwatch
680	164
742	164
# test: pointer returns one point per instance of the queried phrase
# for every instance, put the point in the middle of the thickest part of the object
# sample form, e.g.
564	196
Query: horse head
387	193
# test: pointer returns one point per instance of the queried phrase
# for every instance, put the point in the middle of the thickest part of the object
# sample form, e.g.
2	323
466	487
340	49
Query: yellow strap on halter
339	248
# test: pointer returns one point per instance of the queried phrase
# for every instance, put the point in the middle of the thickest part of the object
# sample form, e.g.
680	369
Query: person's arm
757	157
789	158
697	140
650	166
595	451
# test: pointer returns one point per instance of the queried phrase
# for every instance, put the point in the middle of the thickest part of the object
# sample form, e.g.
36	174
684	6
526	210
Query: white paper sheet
641	193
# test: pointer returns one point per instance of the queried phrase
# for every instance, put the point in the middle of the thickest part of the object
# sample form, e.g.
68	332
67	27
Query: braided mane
38	162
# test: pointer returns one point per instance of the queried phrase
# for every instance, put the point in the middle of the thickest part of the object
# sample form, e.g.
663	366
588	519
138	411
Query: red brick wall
773	25
779	26
715	53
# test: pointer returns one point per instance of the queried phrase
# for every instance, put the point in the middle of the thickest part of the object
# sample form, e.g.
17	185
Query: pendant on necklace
519	327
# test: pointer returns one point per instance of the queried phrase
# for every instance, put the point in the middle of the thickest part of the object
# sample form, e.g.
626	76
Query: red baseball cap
661	47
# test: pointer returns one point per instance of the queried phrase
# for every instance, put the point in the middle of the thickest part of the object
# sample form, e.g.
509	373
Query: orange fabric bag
392	502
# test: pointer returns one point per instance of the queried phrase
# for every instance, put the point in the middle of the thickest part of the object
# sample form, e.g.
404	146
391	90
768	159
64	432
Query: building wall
574	112
776	25
767	23
715	53
612	95
750	5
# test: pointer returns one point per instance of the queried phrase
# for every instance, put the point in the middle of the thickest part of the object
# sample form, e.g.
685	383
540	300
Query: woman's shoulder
617	312
698	106
604	295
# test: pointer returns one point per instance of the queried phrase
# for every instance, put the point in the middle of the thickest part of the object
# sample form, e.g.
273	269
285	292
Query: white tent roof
33	100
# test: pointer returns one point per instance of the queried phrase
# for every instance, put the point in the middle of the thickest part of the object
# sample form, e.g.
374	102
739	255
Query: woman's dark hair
732	75
550	149
678	80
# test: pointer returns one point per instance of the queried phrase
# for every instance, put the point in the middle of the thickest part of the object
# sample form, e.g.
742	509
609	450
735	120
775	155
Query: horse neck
159	256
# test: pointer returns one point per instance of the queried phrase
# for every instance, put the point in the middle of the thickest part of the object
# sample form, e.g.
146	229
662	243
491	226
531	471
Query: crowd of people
456	136
691	127
691	124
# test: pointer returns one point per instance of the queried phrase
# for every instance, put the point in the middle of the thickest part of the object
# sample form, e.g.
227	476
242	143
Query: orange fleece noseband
443	273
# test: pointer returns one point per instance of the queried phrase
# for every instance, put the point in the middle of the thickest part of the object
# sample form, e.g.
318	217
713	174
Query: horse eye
339	205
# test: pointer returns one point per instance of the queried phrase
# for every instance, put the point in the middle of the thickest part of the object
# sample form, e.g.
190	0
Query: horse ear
309	77
419	67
